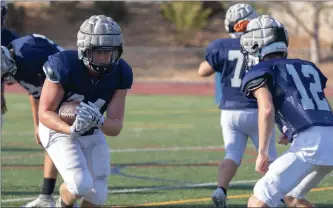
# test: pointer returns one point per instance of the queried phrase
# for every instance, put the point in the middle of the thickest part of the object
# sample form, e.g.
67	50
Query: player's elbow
42	115
113	133
267	110
205	70
201	72
117	131
113	130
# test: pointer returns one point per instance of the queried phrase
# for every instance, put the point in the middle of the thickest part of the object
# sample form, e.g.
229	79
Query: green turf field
167	154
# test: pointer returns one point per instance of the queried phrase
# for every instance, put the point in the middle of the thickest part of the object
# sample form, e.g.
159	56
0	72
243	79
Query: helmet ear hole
255	47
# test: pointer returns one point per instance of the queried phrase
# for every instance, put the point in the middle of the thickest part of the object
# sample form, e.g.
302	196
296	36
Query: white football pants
308	160
237	126
83	162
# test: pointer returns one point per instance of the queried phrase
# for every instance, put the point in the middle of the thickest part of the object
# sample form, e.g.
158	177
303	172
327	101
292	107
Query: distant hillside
148	38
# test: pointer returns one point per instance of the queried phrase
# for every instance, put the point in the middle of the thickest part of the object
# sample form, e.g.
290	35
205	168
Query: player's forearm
34	109
52	120
112	127
266	124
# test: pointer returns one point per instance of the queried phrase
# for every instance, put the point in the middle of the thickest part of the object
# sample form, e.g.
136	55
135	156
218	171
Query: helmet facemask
102	60
8	66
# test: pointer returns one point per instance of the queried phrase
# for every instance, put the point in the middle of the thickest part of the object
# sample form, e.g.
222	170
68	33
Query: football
67	111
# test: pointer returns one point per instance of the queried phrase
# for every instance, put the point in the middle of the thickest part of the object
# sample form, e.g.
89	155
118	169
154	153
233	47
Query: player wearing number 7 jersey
97	76
289	91
238	114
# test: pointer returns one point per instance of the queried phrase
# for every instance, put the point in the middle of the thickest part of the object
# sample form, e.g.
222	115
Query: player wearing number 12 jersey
289	91
96	76
239	116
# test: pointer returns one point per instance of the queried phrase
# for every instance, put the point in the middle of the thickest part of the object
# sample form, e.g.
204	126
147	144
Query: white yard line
195	185
138	190
165	149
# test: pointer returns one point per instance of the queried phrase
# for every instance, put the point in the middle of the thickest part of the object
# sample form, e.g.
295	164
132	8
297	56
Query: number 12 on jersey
315	87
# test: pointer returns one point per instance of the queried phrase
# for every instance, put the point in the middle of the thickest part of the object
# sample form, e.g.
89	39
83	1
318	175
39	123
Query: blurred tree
215	6
188	17
261	7
12	20
311	28
115	9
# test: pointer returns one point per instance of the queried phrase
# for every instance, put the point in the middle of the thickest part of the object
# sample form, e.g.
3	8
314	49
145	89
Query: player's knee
266	190
100	193
234	156
297	202
101	169
255	202
82	183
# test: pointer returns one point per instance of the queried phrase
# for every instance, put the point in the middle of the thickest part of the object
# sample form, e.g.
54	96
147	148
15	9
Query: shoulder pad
256	77
52	75
255	84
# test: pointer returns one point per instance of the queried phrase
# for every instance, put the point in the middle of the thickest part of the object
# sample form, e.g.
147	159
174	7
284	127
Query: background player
289	91
238	114
96	75
22	62
7	36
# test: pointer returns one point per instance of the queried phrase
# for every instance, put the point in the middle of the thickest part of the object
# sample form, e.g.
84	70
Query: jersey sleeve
256	78
212	56
33	85
126	77
55	70
323	78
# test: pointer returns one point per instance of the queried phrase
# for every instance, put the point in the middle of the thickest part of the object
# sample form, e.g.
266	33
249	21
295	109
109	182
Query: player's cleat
42	201
58	203
219	198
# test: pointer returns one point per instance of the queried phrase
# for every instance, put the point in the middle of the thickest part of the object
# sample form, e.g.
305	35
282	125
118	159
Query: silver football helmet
8	66
236	13
100	33
263	35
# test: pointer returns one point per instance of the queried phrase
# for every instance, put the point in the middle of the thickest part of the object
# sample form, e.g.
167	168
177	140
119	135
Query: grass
151	122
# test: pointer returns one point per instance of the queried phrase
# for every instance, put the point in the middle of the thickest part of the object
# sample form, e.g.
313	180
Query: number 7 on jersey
236	81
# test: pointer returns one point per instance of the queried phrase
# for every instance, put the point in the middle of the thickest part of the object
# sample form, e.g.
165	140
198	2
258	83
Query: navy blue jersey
79	85
30	54
224	56
7	36
297	90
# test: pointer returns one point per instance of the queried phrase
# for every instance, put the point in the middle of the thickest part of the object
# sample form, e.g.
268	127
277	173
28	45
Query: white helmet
8	66
263	35
100	33
236	13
